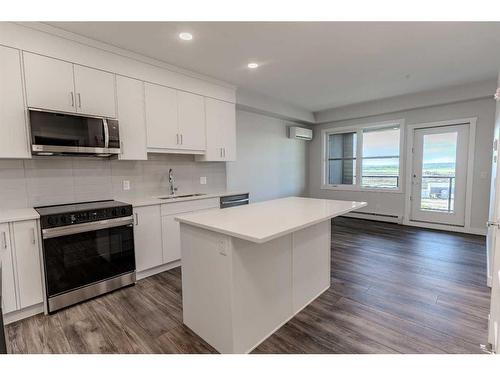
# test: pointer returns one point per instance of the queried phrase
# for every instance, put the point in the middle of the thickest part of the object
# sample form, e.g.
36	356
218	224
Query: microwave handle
106	132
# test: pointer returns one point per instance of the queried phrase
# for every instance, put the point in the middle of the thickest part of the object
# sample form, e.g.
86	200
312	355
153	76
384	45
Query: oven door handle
86	227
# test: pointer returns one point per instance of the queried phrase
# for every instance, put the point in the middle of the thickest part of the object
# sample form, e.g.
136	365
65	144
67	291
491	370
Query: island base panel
236	293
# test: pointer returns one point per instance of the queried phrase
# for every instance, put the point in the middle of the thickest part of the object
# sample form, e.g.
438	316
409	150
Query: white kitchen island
247	270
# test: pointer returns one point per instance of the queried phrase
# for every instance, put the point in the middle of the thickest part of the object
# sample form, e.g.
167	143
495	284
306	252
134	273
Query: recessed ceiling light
186	36
253	65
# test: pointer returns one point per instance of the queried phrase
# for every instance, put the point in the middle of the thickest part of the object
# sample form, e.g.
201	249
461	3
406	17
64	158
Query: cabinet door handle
136	219
33	238
122	147
224	151
220	152
177	142
72	99
79	100
4	236
182	141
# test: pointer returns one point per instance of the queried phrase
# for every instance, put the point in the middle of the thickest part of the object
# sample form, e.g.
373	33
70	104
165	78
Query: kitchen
150	208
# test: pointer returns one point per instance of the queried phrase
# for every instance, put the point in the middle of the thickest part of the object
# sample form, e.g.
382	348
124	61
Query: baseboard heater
374	216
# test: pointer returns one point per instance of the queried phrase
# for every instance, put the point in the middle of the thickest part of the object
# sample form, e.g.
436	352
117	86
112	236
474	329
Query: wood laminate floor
395	289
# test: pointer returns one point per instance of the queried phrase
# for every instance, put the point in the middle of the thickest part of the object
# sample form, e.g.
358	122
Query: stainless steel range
88	250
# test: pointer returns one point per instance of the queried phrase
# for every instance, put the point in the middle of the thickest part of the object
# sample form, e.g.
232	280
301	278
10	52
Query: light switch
126	185
203	180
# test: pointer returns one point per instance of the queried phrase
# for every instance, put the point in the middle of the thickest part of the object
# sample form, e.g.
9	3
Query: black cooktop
78	207
77	213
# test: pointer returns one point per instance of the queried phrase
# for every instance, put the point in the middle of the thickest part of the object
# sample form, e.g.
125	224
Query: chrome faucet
171	181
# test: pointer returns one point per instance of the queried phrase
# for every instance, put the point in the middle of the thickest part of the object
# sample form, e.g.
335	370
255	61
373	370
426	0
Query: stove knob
123	211
114	212
63	219
51	221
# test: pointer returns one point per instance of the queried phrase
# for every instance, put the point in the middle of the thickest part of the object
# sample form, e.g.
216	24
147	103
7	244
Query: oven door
79	255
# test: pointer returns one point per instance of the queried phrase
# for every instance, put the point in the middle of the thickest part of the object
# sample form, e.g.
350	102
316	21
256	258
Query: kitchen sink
182	196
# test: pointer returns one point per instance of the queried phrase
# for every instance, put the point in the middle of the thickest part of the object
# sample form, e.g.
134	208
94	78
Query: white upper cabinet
13	131
131	117
62	86
221	131
95	92
161	117
8	286
191	116
49	83
27	257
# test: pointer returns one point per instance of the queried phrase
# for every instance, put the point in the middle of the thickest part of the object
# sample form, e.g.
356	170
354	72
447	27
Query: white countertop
17	214
264	221
152	200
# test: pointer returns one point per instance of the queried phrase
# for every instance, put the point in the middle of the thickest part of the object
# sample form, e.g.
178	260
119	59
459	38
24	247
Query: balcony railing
439	194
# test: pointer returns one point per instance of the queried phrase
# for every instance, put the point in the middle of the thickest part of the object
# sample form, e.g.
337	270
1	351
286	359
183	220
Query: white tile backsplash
55	180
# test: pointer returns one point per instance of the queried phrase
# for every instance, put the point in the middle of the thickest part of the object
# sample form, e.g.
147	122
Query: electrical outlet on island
126	185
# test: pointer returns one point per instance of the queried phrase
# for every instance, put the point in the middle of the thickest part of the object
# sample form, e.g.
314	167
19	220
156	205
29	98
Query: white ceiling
316	65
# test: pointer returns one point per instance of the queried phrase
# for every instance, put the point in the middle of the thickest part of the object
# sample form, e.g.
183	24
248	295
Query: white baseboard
374	217
400	220
159	269
448	228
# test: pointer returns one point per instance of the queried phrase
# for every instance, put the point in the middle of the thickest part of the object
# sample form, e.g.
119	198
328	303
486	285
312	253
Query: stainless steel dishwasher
234	200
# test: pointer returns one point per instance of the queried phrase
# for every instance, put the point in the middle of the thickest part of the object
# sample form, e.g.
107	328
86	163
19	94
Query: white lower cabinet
171	235
27	258
9	303
21	265
157	234
147	237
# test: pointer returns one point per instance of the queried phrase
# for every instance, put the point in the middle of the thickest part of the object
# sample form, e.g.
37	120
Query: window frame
358	129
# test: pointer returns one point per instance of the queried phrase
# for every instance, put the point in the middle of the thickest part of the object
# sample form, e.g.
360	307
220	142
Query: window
364	157
380	158
342	159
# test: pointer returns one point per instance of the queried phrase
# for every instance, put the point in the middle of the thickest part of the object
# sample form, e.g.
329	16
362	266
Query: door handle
33	238
4	236
79	100
136	218
182	141
72	99
177	135
224	151
493	224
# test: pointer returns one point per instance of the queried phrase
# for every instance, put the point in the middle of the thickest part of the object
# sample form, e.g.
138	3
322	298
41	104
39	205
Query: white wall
269	164
269	106
393	203
424	99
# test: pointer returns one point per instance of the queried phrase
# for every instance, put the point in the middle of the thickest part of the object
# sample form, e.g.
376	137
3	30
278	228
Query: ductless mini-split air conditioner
300	133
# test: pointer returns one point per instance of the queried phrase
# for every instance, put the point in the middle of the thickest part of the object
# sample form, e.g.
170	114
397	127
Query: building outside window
364	157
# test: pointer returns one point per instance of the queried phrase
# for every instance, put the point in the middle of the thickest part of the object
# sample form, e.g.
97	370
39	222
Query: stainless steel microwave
54	133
